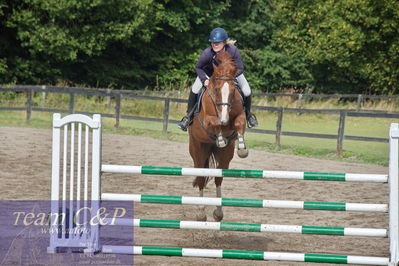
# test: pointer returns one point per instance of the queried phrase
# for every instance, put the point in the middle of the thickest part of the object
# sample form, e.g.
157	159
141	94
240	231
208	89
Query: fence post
359	102
299	103
43	94
108	98
117	109
166	116
341	131
71	102
278	127
29	93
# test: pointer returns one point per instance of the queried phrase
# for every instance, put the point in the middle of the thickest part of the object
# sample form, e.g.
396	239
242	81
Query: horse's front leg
216	125
239	124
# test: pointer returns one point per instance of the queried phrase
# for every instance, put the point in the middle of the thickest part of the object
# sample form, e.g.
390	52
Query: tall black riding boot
188	118
251	118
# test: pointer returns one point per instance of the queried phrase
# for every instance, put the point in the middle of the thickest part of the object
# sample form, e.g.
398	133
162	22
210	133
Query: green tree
182	34
331	46
268	68
52	36
120	43
350	46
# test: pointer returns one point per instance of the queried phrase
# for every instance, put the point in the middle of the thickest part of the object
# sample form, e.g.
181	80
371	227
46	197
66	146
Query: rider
218	39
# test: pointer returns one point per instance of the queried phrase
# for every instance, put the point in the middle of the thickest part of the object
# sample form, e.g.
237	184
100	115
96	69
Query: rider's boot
251	118
188	118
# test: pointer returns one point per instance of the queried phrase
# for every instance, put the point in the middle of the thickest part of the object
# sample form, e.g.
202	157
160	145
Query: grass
390	105
354	151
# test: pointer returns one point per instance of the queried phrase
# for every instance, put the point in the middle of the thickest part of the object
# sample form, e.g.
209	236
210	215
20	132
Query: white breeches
196	86
242	82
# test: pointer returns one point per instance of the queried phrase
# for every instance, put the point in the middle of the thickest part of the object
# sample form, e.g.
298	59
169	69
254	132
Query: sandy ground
25	171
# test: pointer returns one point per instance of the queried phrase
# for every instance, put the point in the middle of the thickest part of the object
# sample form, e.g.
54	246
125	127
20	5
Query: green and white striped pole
149	170
248	255
306	205
248	227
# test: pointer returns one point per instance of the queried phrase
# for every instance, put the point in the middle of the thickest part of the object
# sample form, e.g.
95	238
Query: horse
219	123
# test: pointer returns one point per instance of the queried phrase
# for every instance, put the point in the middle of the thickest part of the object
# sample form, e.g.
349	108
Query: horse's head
222	85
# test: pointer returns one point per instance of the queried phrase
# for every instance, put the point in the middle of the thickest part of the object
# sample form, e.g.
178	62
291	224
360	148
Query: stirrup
184	123
251	120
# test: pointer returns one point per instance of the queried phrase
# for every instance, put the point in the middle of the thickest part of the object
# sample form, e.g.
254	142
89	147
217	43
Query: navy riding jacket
204	67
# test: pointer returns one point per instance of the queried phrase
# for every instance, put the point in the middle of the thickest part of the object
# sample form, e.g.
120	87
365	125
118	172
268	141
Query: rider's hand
206	83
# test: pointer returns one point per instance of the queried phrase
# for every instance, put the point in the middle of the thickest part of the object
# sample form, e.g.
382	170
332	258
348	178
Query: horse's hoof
242	153
242	150
201	217
218	215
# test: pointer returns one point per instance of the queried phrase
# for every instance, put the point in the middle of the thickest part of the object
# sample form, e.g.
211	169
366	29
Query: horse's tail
204	180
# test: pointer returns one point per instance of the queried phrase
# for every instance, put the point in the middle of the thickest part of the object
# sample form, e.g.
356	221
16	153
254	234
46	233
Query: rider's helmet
218	35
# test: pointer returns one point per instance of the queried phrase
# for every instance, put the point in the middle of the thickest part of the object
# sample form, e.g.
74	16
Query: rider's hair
230	41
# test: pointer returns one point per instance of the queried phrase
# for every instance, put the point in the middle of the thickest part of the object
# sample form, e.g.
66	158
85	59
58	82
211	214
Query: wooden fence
358	97
118	95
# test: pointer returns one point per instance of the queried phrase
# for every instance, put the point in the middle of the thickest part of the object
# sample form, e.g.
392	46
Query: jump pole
149	170
256	203
394	193
247	227
248	255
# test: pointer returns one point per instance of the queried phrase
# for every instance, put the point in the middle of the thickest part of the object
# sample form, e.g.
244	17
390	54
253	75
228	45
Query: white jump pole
393	193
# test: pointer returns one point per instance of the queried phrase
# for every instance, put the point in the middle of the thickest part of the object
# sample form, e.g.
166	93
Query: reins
218	78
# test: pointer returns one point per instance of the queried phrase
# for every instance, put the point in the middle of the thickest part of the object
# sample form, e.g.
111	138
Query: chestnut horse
215	129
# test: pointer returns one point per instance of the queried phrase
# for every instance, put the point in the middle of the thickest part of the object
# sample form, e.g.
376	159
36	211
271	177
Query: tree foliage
350	46
328	46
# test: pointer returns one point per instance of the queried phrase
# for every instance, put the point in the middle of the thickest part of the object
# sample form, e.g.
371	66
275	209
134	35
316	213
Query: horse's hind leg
218	212
200	154
222	161
201	181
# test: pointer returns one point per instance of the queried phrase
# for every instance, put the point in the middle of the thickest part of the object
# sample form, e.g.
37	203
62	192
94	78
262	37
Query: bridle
213	97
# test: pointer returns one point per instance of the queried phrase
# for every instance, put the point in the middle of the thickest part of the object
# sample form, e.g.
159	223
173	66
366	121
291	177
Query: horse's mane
226	64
